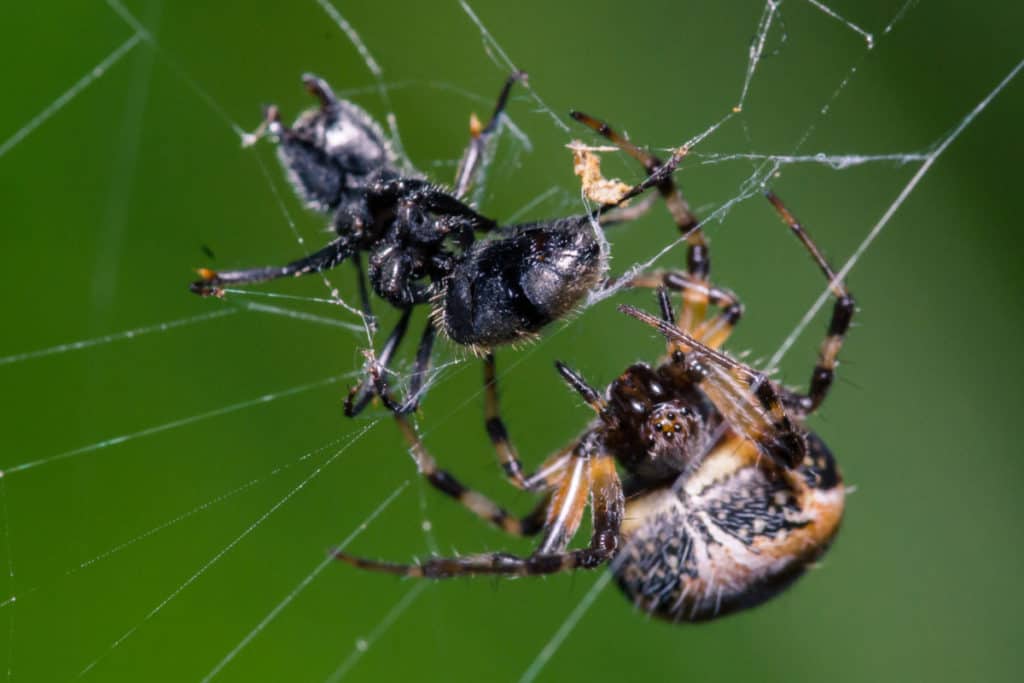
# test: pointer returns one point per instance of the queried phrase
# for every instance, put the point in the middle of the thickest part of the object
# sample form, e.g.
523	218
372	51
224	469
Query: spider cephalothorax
420	238
727	496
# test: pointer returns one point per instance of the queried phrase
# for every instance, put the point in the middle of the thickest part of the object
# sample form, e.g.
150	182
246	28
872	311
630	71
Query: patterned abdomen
730	535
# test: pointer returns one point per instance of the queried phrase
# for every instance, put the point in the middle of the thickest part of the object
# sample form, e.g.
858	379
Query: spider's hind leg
839	324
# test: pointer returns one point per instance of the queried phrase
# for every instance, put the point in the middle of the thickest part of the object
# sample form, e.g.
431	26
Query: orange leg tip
475	126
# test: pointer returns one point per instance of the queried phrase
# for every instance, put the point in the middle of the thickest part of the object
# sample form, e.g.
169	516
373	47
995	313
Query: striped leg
747	399
698	258
551	556
842	314
503	448
475	502
712	332
547	478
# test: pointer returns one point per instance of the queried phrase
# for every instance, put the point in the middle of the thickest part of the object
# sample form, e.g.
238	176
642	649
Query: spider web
237	525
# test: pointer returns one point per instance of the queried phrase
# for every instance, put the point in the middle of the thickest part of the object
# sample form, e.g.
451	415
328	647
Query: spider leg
213	282
361	394
842	314
551	556
364	288
319	89
748	399
496	431
698	258
547	477
473	157
713	331
420	369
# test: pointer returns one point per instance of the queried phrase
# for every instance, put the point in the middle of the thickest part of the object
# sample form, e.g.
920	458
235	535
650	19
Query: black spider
421	238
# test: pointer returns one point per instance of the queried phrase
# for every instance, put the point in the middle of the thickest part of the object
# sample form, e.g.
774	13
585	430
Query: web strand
364	644
890	212
327	561
868	38
133	333
226	549
62	101
174	521
174	424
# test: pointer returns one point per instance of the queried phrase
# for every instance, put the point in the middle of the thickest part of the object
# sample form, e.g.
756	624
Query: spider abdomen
507	289
729	536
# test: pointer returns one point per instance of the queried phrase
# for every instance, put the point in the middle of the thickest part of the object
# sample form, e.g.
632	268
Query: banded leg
547	478
698	258
551	557
842	315
544	478
712	332
496	431
748	399
473	157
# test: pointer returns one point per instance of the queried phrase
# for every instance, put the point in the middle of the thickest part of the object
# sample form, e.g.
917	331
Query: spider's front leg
594	475
213	282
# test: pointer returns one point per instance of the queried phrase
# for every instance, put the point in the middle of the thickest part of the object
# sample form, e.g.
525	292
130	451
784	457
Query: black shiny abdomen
508	288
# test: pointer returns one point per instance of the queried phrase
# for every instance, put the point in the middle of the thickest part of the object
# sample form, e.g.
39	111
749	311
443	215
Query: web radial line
6	530
510	65
143	33
69	94
305	582
532	204
757	49
868	38
372	66
566	628
900	13
890	212
363	645
115	336
173	424
226	549
838	162
278	295
303	316
331	289
202	507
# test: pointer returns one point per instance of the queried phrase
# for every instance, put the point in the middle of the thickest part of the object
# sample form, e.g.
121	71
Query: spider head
668	430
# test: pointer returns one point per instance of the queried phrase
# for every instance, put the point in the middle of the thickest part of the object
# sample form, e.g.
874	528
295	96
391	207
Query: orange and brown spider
727	498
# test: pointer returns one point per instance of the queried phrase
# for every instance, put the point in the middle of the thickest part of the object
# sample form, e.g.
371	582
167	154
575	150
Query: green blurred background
107	206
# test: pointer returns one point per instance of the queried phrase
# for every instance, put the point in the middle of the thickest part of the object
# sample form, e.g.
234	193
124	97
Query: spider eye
667	427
